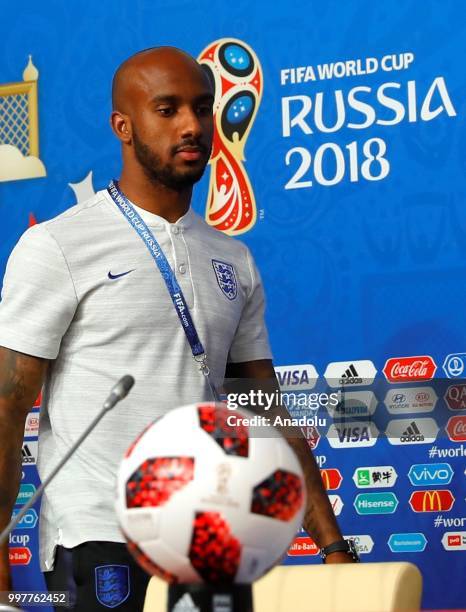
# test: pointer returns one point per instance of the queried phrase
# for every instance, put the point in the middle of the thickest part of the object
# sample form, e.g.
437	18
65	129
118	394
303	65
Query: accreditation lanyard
168	276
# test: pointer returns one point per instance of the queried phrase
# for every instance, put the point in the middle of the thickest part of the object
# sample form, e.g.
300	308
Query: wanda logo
407	369
456	428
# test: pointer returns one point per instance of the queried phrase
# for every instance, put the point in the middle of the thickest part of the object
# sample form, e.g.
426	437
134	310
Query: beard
165	174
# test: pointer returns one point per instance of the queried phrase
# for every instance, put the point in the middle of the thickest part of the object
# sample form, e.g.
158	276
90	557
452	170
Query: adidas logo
412	434
27	455
185	604
350	377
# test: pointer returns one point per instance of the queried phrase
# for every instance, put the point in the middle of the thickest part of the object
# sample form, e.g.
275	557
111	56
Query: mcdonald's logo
432	501
331	477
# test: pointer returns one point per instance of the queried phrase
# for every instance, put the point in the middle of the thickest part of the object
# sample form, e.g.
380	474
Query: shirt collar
154	220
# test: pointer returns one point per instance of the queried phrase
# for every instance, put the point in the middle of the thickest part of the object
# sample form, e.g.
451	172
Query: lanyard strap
168	276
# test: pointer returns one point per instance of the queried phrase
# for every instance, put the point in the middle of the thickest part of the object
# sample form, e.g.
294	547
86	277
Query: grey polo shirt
83	291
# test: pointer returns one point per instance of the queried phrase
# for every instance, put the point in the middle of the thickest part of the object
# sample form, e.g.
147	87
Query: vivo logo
422	474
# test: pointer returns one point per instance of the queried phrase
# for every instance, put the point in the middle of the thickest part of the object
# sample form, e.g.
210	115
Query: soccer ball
202	501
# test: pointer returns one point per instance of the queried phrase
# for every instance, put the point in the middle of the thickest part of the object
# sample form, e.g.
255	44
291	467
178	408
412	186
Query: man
83	304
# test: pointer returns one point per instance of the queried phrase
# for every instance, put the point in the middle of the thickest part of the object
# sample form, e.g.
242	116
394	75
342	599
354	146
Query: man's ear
121	126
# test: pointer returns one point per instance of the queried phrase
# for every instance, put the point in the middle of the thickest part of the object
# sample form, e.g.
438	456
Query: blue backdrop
356	164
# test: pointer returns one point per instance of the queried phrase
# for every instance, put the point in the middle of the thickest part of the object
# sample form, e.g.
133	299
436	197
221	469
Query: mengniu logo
331	477
376	503
430	474
20	555
436	500
236	72
409	369
375	476
407	542
303	546
456	428
455	397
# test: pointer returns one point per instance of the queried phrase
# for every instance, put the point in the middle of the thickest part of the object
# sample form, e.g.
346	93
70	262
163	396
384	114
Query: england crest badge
112	584
226	278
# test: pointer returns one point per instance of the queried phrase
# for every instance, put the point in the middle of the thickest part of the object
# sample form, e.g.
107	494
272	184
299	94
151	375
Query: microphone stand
119	391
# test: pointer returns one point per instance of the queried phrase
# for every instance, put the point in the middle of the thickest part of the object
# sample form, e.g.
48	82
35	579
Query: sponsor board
412	431
20	555
353	404
352	434
26	491
454	365
332	478
302	546
31	427
312	435
433	500
407	542
375	477
296	377
411	399
29	453
409	369
337	504
364	543
455	397
454	540
29	520
430	474
350	373
456	428
376	503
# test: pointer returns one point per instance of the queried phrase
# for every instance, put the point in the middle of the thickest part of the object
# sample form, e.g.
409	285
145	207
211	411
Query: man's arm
319	518
21	378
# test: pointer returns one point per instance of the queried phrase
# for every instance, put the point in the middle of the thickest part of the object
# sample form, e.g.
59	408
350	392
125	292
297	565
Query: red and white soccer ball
200	500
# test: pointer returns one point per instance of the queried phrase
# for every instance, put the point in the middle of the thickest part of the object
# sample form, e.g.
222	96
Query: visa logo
422	474
291	377
351	434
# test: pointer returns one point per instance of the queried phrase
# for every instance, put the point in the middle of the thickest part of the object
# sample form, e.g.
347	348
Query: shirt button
175	230
182	268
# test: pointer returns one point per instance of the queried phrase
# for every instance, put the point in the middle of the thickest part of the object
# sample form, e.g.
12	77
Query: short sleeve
251	340
38	296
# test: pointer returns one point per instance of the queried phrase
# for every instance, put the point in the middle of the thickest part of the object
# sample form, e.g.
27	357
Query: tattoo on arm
21	377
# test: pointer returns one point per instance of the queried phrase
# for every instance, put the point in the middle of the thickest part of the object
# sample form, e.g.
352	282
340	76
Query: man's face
172	123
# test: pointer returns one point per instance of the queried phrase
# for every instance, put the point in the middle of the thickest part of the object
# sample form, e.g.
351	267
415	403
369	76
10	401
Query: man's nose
191	124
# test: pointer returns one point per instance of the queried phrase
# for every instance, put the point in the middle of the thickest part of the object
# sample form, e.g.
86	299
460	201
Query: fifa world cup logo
235	70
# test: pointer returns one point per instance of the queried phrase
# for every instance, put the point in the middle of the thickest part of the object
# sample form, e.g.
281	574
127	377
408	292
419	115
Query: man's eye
205	109
165	111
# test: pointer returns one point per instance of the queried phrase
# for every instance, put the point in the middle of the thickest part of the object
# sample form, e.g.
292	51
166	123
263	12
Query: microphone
119	391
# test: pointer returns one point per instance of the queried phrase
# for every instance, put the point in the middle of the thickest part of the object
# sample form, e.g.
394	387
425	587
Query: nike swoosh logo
114	276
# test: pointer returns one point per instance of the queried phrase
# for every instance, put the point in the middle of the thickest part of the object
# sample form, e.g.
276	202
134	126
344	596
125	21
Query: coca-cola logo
456	428
402	369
